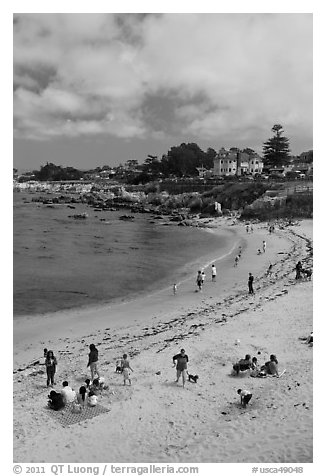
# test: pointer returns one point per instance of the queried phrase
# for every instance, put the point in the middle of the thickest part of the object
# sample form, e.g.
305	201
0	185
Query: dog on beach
307	273
192	378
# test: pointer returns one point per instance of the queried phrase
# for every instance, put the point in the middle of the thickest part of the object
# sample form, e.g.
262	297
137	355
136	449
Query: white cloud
250	69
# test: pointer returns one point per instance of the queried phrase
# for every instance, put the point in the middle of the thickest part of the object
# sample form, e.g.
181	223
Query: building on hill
236	162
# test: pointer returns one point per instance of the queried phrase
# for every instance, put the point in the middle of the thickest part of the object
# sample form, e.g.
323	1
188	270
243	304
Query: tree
276	149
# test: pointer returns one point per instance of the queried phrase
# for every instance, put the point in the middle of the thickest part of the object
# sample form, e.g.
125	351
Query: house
235	162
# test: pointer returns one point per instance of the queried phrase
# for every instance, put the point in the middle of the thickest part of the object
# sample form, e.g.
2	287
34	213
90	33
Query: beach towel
68	417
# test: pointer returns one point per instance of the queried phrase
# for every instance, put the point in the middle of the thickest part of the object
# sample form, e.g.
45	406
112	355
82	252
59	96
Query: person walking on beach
180	361
264	246
175	289
126	369
93	361
298	269
250	283
214	273
199	280
247	228
203	276
50	364
269	270
236	260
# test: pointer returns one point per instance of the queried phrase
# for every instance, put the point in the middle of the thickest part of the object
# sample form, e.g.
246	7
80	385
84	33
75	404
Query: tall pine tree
276	149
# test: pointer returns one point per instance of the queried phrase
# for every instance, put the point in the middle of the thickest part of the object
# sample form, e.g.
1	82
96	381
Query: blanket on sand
67	417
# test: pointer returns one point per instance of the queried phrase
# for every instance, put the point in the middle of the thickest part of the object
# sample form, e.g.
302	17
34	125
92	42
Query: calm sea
61	263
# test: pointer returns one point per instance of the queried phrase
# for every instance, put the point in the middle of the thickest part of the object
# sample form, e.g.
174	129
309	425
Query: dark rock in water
78	216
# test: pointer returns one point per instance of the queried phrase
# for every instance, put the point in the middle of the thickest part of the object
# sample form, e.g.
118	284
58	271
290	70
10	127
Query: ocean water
61	263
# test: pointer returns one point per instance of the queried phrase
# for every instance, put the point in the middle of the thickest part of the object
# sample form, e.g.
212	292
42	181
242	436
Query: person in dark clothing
298	269
50	364
93	361
55	400
250	283
180	361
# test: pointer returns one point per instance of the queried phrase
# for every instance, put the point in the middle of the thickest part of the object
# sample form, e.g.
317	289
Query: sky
100	89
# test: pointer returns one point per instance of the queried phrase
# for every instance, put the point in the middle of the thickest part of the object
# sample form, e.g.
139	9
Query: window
222	161
230	170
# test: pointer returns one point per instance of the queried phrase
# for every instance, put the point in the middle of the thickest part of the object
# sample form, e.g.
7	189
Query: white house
234	162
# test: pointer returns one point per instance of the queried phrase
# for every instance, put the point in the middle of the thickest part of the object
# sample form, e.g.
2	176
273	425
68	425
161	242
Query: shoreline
30	329
205	324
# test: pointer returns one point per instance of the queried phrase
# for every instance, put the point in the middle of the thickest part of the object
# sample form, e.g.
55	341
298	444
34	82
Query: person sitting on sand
258	251
81	396
92	399
236	260
243	364
126	369
271	367
56	401
254	368
95	387
245	397
68	394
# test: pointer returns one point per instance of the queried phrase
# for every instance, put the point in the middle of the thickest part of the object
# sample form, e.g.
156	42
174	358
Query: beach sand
155	419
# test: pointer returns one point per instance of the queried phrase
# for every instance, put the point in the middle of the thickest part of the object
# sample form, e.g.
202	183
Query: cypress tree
276	149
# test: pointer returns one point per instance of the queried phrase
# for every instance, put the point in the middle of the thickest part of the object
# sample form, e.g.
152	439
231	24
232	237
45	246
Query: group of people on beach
89	392
247	364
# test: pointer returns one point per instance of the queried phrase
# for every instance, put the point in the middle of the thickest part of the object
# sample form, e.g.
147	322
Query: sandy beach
155	419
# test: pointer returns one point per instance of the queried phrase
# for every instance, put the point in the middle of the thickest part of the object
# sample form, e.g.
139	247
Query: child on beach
245	397
50	364
214	273
126	369
92	399
118	366
81	397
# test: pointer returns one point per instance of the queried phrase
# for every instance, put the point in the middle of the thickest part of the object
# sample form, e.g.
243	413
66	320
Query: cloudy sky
95	89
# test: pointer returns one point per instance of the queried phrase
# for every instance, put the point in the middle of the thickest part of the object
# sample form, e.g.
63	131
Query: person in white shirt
68	394
213	272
